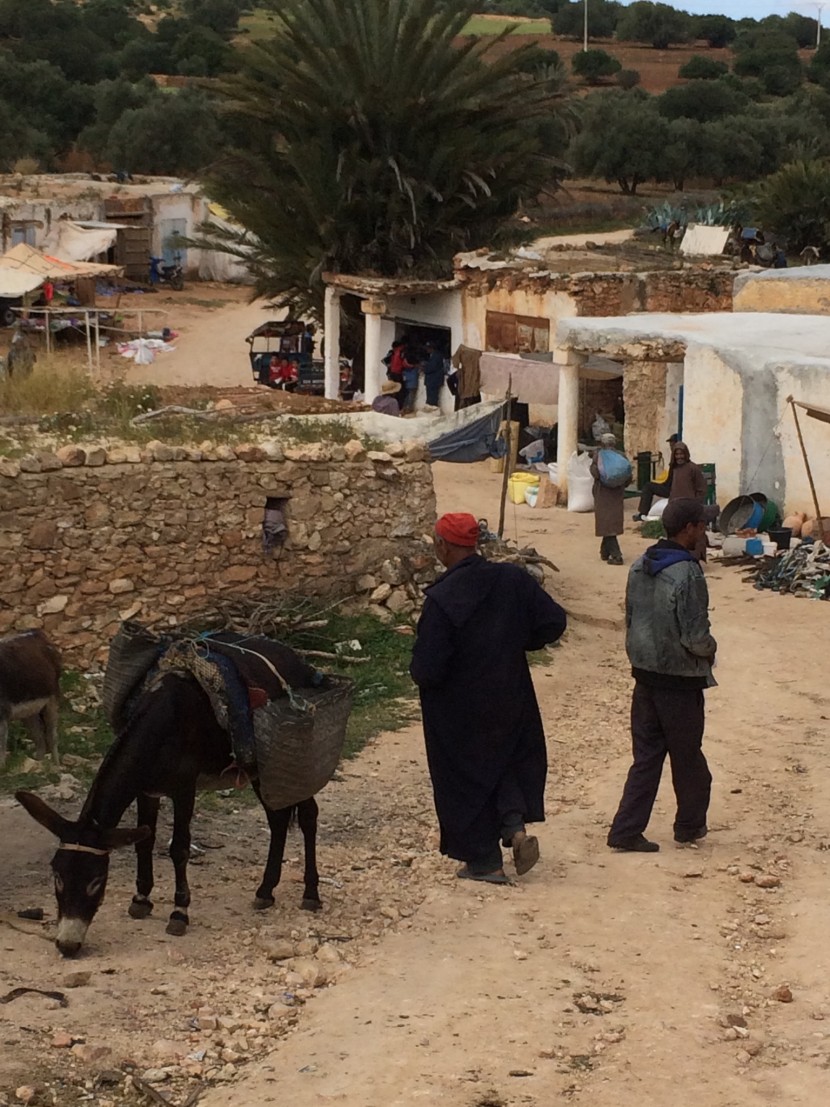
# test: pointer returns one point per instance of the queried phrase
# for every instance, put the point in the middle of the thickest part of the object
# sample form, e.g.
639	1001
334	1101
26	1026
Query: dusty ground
602	979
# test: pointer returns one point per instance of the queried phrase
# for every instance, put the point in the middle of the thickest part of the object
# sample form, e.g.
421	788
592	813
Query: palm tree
367	139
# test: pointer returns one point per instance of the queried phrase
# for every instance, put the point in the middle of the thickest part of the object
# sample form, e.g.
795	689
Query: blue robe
484	738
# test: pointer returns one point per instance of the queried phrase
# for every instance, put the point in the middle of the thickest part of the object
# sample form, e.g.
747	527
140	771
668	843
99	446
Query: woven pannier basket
133	652
298	749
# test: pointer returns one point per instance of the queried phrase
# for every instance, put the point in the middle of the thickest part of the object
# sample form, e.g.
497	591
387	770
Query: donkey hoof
140	909
177	924
262	903
311	904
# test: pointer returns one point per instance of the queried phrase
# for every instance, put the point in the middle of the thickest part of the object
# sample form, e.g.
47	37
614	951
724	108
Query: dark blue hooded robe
482	726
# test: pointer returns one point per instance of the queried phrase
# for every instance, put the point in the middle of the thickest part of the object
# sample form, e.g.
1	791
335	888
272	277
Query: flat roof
775	337
388	286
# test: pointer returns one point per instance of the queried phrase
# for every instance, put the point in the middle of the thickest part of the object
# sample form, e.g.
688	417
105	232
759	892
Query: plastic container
781	537
754	547
518	484
770	549
553	471
531	495
734	546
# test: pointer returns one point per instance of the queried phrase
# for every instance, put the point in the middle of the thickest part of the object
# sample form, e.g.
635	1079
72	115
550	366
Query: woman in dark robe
483	731
609	510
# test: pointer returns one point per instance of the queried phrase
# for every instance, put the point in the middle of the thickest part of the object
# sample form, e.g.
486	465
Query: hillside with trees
141	86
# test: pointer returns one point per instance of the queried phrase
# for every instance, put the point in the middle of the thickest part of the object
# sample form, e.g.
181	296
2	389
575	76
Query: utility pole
818	25
585	25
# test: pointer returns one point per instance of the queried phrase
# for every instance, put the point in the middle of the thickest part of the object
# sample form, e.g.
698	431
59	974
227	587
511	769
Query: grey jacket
667	615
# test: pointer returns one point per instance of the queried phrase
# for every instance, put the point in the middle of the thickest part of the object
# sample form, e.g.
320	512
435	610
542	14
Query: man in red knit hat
483	731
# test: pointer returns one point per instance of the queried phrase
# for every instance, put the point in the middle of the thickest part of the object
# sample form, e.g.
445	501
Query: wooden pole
97	344
88	343
508	454
791	402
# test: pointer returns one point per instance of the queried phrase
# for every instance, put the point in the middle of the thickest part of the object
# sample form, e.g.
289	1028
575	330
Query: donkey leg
183	804
4	736
148	813
278	824
307	818
49	717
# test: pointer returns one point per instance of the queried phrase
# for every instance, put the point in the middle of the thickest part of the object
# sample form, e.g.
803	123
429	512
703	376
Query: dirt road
615	981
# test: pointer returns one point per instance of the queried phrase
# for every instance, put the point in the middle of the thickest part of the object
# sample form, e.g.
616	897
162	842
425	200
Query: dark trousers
650	492
433	383
609	547
664	721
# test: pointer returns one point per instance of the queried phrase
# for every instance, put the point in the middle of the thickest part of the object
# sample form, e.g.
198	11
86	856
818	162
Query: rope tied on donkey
291	743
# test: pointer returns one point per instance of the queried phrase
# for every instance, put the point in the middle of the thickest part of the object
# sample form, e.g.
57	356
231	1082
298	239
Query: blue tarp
473	441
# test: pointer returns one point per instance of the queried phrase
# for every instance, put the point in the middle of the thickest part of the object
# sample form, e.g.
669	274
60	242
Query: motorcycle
167	274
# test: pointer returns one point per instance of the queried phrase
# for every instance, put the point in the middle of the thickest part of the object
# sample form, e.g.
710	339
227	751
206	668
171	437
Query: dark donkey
172	746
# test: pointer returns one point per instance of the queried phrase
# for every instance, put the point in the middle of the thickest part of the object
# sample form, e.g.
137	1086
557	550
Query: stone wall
90	537
559	295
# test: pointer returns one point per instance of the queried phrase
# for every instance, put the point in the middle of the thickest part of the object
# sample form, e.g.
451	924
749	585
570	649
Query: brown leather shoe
525	851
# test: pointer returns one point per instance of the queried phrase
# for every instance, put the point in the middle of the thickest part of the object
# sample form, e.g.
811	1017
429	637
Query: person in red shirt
282	373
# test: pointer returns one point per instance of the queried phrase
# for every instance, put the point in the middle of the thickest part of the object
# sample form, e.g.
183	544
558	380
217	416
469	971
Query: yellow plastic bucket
517	484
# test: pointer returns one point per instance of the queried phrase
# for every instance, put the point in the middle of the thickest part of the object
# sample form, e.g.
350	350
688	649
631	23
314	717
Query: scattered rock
77	979
61	1040
280	950
767	880
783	994
746	878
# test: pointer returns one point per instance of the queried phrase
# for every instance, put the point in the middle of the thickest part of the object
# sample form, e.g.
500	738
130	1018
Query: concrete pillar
568	428
331	330
373	310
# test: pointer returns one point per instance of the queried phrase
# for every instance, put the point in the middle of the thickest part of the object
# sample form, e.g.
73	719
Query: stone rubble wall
89	537
600	294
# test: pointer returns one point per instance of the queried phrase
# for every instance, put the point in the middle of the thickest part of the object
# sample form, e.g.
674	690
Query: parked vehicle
7	314
290	339
167	274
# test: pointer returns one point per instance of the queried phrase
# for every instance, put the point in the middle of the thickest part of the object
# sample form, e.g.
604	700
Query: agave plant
367	140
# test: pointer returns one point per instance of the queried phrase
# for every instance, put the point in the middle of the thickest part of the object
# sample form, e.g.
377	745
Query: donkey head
80	867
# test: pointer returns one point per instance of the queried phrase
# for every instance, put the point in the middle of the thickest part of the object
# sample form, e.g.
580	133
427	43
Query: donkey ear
116	839
42	813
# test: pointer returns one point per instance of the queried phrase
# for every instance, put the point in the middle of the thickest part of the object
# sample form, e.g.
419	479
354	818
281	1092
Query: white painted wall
440	309
739	418
811	383
713	400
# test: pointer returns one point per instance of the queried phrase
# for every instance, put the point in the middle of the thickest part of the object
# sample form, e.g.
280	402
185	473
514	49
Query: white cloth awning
70	241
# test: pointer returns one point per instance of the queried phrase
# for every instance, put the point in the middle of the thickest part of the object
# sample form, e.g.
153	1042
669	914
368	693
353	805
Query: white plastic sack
657	509
580	483
553	471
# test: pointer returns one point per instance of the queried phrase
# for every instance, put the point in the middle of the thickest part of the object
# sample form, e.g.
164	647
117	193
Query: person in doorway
685	480
483	731
609	514
398	362
386	403
433	376
671	650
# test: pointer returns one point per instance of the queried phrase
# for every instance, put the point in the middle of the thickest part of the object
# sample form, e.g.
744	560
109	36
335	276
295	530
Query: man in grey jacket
671	651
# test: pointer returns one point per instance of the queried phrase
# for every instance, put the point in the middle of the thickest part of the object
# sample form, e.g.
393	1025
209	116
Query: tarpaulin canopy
73	241
815	412
26	259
